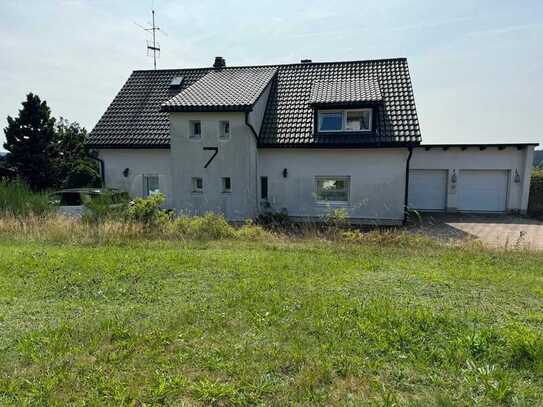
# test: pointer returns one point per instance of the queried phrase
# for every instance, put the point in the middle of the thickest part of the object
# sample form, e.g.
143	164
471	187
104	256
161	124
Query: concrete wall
455	159
139	162
377	181
236	159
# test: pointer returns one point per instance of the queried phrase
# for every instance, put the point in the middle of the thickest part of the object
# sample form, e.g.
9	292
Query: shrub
105	206
17	199
147	210
210	226
535	204
83	175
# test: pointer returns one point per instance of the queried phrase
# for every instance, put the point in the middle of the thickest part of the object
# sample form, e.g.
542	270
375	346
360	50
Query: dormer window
355	120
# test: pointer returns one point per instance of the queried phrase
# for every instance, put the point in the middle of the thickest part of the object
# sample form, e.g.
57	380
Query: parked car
72	201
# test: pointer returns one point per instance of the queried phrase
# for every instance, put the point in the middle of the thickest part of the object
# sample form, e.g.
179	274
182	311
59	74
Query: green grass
237	323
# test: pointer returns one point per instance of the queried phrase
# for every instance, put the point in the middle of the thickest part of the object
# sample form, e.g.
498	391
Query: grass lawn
236	323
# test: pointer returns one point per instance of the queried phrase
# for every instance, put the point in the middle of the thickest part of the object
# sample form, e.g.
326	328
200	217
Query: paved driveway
494	231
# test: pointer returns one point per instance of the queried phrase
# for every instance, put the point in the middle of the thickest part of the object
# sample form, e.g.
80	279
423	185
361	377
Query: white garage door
482	190
427	190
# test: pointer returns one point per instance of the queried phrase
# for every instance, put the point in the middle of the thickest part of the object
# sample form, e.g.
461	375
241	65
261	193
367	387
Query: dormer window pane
358	120
332	121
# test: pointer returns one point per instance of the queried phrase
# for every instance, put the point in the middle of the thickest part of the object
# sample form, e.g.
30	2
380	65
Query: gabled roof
135	118
235	89
344	93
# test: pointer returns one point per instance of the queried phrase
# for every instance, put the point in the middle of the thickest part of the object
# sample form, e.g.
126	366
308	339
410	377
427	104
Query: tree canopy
47	153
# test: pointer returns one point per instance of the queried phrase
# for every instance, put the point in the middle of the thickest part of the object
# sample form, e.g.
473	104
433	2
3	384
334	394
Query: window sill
344	204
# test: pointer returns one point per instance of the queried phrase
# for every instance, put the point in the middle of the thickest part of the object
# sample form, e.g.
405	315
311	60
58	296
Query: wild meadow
136	310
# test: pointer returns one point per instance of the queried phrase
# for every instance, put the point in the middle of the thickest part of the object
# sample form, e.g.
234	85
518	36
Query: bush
147	210
535	204
105	206
207	227
17	199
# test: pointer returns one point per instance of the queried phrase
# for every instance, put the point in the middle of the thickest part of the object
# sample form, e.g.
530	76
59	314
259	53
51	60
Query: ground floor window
150	185
332	189
226	184
197	184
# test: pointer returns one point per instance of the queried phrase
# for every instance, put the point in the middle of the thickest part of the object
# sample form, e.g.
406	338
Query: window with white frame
197	184
195	129
332	189
345	120
224	130
151	185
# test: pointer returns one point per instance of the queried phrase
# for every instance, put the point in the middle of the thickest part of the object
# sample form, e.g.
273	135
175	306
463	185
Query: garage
482	190
428	190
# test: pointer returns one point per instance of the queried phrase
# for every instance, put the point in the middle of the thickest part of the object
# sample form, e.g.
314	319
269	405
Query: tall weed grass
16	199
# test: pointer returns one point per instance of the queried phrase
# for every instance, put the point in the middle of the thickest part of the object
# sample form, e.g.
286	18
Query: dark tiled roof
289	118
233	89
134	118
336	93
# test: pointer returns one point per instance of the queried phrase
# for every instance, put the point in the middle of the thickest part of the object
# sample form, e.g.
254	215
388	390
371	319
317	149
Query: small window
195	129
197	184
332	121
150	185
226	184
332	189
224	130
355	120
264	188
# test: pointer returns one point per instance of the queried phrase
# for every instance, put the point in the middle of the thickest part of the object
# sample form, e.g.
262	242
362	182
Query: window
195	129
197	184
224	130
226	184
331	121
264	188
150	185
345	120
332	189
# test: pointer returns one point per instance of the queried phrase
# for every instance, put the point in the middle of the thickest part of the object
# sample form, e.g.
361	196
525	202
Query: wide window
345	120
150	185
332	189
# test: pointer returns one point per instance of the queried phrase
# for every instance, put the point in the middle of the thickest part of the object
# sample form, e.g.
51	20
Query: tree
76	163
31	144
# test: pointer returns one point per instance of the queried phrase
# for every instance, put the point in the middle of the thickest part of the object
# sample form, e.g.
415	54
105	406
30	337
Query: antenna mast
153	46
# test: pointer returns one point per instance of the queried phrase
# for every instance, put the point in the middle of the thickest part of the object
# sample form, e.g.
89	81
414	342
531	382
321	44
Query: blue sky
476	66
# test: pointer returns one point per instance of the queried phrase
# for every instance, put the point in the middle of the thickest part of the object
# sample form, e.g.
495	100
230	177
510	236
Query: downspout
407	184
256	160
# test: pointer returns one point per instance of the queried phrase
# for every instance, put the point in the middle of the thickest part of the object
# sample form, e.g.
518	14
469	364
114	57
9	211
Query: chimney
219	64
306	61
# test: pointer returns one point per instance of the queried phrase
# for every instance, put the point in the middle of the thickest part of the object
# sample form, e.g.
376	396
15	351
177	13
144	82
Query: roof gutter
407	184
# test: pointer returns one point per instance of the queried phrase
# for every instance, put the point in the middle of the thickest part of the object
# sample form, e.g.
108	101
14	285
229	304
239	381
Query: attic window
355	120
176	82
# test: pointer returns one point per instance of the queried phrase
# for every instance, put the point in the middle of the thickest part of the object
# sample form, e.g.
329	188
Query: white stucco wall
236	159
139	162
455	159
377	186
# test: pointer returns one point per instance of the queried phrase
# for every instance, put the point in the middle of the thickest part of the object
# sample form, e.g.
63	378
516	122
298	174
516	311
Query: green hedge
535	204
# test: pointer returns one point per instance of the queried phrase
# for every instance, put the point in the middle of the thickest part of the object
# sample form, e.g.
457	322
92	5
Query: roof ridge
276	65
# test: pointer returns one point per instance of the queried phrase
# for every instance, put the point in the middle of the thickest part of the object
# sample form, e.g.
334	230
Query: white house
297	138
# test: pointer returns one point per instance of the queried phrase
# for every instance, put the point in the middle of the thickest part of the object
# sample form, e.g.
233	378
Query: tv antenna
152	46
